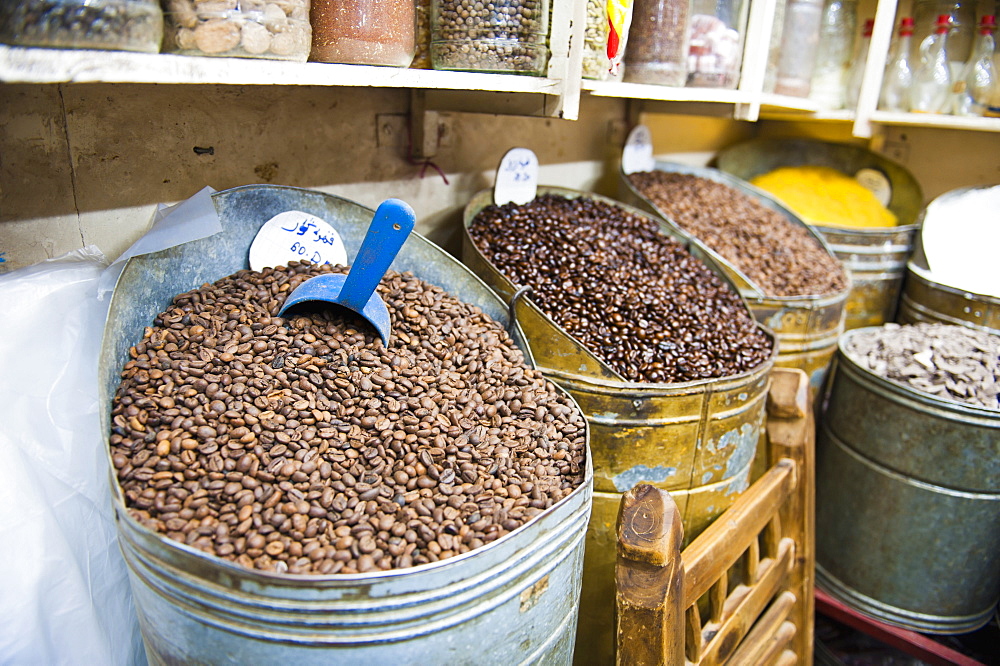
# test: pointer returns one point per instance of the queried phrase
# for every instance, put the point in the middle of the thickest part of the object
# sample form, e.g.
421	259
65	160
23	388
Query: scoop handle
391	225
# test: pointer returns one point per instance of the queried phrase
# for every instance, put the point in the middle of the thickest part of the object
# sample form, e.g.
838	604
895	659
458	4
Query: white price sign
877	183
638	153
296	236
517	177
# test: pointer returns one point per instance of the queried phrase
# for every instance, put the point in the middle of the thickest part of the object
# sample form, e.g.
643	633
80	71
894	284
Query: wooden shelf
936	120
664	93
31	65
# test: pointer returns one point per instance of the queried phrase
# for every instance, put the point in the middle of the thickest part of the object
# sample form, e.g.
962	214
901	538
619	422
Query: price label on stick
517	177
296	236
638	153
877	183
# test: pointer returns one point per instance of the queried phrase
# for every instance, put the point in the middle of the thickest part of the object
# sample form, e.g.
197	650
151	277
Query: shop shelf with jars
554	94
705	82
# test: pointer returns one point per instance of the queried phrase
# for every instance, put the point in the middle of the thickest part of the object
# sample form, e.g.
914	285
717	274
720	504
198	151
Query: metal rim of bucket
648	389
311	580
746	285
920	312
906	395
931	624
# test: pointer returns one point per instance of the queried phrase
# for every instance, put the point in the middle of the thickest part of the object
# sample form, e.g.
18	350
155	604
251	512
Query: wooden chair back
742	592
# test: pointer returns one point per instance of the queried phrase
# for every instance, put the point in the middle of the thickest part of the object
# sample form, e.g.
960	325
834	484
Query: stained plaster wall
87	163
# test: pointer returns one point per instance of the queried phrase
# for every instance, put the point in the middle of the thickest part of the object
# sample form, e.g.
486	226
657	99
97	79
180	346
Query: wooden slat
717	598
692	634
773	576
648	574
786	658
722	543
769	635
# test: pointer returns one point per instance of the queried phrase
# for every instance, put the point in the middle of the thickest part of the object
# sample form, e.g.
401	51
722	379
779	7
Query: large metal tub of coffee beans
907	500
806	327
696	439
875	257
512	600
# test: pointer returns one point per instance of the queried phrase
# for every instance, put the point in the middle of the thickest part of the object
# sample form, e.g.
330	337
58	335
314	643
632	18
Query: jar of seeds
658	42
126	25
504	36
364	32
595	41
277	29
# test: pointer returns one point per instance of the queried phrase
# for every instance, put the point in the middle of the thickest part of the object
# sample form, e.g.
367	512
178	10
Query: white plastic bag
64	589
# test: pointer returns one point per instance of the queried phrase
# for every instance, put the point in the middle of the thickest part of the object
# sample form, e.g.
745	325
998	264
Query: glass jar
277	30
121	25
658	42
364	32
422	52
504	36
595	41
799	44
715	39
833	55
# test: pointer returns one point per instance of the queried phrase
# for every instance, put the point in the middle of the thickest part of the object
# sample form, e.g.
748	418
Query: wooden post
791	433
648	576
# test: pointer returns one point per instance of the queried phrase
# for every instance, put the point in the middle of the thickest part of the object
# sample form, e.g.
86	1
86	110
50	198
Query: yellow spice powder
824	196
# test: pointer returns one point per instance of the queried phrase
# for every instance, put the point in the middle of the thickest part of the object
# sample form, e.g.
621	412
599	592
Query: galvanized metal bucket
807	327
875	258
925	300
907	502
514	600
694	439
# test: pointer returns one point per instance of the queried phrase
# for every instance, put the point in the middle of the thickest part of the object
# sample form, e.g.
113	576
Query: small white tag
638	153
875	181
296	236
517	177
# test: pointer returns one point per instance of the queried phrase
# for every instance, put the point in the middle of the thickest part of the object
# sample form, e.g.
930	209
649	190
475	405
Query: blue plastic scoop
392	223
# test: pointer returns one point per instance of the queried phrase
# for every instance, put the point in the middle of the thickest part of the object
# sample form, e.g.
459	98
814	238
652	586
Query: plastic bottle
836	44
898	75
931	89
857	71
975	85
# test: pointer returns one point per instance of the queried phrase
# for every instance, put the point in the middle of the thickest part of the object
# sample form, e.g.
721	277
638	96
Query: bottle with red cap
899	72
978	79
932	89
857	71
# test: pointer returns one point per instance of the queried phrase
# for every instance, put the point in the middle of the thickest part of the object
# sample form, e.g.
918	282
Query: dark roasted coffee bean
636	298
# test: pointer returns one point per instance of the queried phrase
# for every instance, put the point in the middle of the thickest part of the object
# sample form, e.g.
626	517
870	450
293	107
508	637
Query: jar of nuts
126	25
277	29
505	36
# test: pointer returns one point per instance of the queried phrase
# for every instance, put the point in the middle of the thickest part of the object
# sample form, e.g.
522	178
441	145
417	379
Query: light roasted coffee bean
301	444
780	257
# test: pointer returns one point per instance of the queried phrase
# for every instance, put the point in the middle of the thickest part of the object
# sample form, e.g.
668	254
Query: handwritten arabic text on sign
517	177
296	236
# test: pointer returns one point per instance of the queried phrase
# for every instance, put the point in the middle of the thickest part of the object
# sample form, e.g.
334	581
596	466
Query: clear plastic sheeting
64	585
